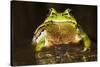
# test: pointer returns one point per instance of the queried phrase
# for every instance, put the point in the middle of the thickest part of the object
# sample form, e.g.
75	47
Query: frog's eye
52	12
65	14
67	11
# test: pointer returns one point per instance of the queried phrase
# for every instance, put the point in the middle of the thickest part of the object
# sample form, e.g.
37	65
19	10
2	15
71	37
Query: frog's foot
85	49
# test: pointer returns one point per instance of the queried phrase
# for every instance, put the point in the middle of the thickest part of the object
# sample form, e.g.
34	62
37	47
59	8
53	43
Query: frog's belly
58	38
60	35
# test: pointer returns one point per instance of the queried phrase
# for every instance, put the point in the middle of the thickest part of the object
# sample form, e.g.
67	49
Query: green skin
59	28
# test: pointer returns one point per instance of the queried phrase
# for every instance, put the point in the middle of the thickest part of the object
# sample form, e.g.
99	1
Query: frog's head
65	16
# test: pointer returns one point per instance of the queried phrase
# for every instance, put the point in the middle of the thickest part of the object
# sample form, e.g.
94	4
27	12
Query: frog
59	28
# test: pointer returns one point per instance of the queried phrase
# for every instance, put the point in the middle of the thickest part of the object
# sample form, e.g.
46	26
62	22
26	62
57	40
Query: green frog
59	28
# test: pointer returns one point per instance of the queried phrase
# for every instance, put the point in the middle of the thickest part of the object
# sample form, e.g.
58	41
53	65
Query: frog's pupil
66	14
54	14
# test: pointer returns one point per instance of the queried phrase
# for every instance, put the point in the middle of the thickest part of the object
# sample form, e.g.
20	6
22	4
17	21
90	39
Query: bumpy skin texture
59	29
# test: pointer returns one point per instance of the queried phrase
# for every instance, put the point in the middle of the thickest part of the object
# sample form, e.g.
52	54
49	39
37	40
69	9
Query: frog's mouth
69	20
62	21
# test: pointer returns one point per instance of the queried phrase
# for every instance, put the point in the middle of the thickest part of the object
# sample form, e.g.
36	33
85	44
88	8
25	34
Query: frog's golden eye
66	12
52	12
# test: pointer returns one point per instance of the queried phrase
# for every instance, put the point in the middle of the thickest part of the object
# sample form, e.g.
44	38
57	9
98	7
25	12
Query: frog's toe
85	49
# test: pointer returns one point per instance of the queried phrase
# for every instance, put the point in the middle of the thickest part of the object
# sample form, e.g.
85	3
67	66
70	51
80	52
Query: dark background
27	16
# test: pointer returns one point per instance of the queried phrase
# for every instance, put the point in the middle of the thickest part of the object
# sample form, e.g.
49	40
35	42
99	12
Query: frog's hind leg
38	31
40	41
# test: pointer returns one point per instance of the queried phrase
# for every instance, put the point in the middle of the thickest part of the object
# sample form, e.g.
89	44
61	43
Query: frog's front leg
86	40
